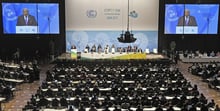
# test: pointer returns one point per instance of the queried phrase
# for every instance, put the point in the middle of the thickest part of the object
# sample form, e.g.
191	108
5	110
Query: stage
110	56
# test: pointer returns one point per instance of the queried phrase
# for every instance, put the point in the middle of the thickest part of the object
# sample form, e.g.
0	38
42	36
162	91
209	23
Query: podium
187	30
73	53
26	29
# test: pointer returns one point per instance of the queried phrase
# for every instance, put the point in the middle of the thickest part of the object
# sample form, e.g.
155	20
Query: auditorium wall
102	21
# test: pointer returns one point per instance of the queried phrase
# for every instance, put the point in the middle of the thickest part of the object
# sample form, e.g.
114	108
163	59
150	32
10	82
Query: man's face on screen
25	12
186	12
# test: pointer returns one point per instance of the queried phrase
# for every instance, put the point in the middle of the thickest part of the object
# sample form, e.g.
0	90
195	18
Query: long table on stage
112	56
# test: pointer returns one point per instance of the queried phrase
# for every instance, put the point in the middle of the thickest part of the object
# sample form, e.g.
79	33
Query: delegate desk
112	109
73	89
134	109
200	59
112	98
12	80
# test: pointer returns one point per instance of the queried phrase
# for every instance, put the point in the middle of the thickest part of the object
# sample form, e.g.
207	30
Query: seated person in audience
204	108
218	54
139	108
71	108
2	87
29	106
212	54
205	54
163	100
175	101
49	92
106	108
78	91
185	54
200	55
184	108
33	100
194	100
35	109
116	108
92	108
193	108
76	102
159	108
170	108
7	92
197	53
63	102
211	103
43	102
55	103
81	108
96	90
202	99
217	108
125	105
99	103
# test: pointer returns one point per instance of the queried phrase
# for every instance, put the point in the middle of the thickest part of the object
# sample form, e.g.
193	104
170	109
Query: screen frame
61	6
183	26
161	25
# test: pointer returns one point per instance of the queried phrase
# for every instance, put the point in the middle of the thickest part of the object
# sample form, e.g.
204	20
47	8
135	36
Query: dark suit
191	22
31	21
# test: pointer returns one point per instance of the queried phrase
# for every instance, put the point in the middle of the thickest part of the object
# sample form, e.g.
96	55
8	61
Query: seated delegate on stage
113	48
93	49
26	19
99	48
87	49
107	49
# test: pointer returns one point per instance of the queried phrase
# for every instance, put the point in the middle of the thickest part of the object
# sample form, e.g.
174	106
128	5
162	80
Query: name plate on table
186	30
26	29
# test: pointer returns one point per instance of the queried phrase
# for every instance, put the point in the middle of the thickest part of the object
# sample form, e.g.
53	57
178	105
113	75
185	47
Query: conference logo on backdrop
171	13
133	14
91	13
9	12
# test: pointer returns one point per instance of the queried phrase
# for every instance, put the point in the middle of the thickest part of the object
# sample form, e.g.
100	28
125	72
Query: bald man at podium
26	19
187	19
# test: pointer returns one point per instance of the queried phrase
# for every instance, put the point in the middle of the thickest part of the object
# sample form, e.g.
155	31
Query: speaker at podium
26	29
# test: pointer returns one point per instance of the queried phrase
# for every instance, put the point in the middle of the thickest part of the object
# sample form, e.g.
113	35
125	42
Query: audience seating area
13	74
210	73
117	86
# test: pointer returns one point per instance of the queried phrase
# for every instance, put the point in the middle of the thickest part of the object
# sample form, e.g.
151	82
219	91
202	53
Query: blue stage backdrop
145	39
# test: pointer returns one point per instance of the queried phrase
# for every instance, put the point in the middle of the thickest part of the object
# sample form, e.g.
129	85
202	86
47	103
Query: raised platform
115	56
68	57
